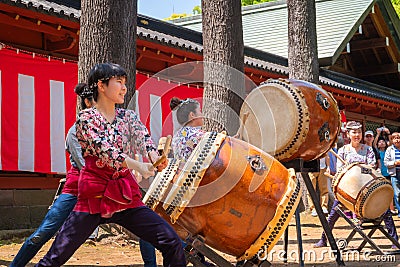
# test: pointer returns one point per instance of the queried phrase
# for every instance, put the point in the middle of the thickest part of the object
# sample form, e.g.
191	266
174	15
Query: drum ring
156	193
340	173
370	190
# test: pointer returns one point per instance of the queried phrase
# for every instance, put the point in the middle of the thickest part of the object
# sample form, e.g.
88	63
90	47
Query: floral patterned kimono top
106	187
185	140
364	155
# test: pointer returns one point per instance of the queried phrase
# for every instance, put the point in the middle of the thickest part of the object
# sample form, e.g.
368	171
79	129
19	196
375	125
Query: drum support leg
285	244
376	225
322	218
59	191
192	258
198	244
299	240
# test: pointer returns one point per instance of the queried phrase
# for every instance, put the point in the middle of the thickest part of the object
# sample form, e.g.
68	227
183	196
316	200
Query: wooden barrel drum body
363	190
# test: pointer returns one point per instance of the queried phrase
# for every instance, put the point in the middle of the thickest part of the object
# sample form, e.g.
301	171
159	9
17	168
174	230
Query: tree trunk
302	35
108	34
223	64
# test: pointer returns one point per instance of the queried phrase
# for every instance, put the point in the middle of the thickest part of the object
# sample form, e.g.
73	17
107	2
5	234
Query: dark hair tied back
174	103
183	108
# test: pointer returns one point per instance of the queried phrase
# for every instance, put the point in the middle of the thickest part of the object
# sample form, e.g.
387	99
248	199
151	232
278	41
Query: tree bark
108	34
223	64
302	36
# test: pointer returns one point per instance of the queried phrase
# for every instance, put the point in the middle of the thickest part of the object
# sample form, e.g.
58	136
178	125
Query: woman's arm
378	133
140	136
142	141
145	169
370	157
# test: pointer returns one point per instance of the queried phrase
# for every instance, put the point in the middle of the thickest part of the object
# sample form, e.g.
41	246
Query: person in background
190	118
381	145
65	202
368	140
108	191
392	162
322	180
384	133
356	152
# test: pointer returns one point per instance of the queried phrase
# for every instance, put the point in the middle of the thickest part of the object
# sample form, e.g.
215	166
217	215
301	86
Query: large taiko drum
234	195
362	190
290	119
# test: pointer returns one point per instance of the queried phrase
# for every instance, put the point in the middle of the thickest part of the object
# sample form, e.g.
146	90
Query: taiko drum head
238	198
273	120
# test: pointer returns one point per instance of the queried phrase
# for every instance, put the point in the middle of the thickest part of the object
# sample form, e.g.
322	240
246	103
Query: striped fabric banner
0	120
155	117
37	107
57	127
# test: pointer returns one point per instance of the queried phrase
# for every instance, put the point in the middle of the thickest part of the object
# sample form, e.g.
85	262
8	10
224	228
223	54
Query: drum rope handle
165	151
329	175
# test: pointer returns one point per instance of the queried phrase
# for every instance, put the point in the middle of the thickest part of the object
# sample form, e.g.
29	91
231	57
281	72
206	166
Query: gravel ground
120	250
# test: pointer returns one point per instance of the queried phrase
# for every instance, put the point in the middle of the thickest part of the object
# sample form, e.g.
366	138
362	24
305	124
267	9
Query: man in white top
322	180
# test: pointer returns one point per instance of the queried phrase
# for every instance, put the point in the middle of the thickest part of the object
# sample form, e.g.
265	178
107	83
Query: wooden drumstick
167	145
165	151
241	127
329	175
338	157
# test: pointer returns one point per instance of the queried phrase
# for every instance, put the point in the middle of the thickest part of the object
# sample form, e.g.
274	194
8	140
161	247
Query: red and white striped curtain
37	107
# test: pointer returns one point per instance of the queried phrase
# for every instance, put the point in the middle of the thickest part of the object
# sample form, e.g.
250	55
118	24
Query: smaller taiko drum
290	119
362	190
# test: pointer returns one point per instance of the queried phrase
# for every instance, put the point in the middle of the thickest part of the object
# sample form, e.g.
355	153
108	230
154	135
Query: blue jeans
396	188
148	253
53	220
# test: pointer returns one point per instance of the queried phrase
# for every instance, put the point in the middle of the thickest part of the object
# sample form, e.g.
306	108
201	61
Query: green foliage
396	5
196	10
254	2
177	16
